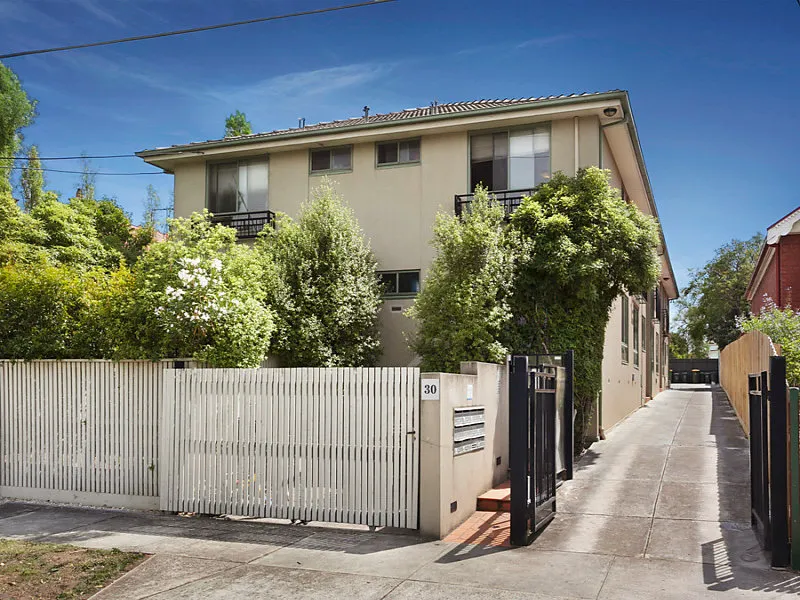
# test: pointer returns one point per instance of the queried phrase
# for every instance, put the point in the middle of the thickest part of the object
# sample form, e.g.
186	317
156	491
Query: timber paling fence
307	444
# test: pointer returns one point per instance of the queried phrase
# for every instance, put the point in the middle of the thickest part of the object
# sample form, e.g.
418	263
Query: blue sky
714	84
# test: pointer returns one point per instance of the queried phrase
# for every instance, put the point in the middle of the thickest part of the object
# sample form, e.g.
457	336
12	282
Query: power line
69	157
151	36
15	168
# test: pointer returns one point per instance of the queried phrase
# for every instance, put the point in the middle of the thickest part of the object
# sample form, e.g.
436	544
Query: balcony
510	199
247	225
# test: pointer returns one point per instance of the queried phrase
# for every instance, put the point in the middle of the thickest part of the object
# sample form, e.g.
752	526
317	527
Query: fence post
569	413
794	441
779	501
518	423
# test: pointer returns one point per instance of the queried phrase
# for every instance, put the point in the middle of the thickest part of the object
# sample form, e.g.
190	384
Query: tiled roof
434	110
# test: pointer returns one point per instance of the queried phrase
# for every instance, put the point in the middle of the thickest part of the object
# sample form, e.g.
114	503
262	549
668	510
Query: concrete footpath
658	510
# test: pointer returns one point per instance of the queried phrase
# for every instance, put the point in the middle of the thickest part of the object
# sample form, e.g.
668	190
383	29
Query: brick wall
788	257
789	247
768	286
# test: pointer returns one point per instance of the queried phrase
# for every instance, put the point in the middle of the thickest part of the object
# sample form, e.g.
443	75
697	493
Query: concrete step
497	499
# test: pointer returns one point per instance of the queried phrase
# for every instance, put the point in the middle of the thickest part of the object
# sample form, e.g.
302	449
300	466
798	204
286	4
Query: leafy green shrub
543	284
21	236
580	246
38	309
200	295
326	296
463	307
782	325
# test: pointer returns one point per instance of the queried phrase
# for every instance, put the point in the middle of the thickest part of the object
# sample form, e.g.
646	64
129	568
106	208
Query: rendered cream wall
397	206
444	478
190	188
622	382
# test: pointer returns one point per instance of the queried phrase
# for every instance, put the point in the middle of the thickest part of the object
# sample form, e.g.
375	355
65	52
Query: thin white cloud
93	8
14	11
550	40
302	84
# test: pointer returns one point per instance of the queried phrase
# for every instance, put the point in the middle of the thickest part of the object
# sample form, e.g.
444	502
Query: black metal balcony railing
247	225
510	199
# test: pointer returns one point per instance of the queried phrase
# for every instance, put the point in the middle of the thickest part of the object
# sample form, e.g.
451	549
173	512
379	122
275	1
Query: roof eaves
377	121
637	146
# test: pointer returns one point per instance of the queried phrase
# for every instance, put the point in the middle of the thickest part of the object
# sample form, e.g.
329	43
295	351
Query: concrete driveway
658	510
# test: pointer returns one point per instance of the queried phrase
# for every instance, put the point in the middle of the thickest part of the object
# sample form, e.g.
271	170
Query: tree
200	295
237	124
17	111
463	307
21	236
32	180
580	247
715	296
152	210
87	180
687	337
114	230
71	236
327	296
678	345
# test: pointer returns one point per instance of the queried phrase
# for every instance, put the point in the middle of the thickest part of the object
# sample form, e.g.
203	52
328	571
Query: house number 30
430	389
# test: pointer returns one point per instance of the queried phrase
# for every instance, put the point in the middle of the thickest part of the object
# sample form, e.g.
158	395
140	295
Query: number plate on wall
469	429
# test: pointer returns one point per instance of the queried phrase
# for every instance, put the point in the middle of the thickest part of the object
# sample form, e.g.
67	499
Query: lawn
31	571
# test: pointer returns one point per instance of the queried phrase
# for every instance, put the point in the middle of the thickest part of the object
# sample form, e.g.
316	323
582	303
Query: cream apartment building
398	170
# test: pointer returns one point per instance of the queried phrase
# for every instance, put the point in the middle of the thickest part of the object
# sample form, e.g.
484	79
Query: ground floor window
625	328
399	284
635	335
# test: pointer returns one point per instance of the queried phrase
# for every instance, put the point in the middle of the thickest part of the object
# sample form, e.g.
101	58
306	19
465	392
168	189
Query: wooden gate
302	444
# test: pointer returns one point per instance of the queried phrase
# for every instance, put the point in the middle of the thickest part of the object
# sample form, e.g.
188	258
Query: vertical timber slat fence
302	444
80	431
749	354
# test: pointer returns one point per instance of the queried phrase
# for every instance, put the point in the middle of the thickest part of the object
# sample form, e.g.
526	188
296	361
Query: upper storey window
332	159
397	153
238	186
508	160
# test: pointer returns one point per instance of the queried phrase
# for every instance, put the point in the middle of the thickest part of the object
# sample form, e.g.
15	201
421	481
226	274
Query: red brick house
777	273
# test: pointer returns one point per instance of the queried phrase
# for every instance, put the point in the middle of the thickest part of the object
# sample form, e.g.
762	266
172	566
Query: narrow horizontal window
332	159
399	283
398	153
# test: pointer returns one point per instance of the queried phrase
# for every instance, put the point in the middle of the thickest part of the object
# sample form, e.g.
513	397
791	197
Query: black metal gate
768	464
533	419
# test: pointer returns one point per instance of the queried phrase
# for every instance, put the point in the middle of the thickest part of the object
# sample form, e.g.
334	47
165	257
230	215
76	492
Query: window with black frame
399	284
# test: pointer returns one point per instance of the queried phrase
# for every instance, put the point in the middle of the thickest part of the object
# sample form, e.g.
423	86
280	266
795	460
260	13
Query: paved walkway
658	510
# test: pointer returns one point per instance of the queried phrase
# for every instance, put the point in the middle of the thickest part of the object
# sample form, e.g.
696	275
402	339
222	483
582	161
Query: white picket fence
80	431
307	444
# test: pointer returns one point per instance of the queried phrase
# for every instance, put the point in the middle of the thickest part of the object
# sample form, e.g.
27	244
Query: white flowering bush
201	295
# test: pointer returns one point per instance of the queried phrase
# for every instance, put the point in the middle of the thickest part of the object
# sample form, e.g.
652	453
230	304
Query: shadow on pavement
726	564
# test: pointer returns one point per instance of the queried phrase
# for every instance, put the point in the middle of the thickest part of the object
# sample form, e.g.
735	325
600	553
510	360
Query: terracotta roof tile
408	113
